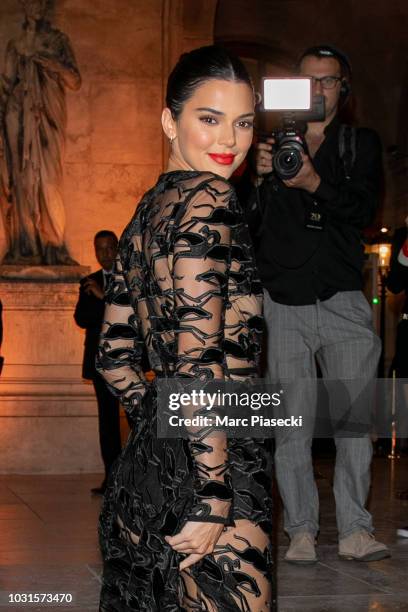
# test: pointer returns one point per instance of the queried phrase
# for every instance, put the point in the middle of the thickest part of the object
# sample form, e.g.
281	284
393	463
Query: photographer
307	235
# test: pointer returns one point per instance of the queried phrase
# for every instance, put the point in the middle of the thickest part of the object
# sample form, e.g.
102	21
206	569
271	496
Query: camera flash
287	94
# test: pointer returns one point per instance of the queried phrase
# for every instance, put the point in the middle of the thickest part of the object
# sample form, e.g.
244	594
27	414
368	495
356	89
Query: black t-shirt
298	265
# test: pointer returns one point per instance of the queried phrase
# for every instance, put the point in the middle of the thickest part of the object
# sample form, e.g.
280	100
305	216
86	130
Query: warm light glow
384	230
383	251
384	254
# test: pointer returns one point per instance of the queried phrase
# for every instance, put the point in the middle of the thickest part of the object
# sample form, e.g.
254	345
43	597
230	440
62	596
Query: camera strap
347	148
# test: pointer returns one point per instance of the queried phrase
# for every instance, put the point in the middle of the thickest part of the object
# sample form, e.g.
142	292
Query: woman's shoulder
204	178
196	186
193	178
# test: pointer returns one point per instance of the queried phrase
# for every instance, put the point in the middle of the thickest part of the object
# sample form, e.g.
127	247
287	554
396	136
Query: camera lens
287	162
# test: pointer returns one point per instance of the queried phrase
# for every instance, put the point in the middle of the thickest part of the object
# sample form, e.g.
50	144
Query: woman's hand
195	540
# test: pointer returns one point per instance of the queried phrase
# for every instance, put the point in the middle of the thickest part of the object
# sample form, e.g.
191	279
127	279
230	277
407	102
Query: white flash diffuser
288	94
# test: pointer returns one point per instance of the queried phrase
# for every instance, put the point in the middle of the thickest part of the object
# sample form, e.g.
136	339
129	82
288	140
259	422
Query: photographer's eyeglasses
327	82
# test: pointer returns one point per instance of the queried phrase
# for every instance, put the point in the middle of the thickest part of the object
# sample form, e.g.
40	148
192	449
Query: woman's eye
245	124
209	120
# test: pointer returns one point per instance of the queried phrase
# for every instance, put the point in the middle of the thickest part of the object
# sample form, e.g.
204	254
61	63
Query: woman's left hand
196	540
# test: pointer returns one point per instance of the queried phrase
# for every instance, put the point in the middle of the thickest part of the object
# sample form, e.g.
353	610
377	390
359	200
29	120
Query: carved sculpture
40	65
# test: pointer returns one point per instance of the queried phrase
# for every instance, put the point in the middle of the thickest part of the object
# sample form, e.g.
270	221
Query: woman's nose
227	136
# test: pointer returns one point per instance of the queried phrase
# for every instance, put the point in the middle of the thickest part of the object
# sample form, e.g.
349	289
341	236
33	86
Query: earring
171	139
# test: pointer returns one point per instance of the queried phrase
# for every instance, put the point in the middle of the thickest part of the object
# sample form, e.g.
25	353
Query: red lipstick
226	159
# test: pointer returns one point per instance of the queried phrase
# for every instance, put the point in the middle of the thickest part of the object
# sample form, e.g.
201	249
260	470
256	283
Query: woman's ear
168	124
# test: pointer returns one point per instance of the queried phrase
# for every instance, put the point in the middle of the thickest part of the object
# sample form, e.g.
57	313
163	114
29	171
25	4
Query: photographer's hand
307	177
263	158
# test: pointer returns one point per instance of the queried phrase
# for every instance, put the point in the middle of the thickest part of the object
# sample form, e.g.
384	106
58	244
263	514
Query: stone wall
47	413
114	152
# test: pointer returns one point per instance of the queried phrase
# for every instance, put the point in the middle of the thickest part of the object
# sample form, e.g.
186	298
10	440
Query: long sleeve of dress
121	346
201	260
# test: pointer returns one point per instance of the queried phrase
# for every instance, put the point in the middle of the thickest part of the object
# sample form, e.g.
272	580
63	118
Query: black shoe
99	490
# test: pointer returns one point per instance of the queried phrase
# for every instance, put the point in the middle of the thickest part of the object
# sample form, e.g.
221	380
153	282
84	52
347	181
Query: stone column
48	416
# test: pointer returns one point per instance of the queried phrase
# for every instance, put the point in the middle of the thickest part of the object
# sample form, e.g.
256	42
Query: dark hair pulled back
198	66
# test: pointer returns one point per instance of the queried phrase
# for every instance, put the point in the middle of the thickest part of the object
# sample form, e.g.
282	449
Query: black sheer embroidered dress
185	285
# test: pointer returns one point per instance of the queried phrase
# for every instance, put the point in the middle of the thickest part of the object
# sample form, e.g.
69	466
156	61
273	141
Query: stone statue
40	64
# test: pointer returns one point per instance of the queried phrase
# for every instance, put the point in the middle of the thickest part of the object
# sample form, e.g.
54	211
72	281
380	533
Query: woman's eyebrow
209	110
217	112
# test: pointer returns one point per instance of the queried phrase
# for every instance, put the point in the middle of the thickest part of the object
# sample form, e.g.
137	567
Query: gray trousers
339	334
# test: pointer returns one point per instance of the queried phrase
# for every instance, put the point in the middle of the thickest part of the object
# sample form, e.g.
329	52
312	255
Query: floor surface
48	544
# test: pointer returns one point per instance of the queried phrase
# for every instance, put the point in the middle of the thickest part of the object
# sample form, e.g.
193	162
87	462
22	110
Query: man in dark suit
89	313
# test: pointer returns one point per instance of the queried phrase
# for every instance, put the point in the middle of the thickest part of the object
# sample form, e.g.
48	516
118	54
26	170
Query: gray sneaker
301	550
362	546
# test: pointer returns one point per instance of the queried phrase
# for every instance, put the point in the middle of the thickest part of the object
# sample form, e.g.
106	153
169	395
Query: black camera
293	98
287	151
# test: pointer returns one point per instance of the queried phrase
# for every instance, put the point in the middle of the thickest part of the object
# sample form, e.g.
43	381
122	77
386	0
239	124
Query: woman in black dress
185	524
